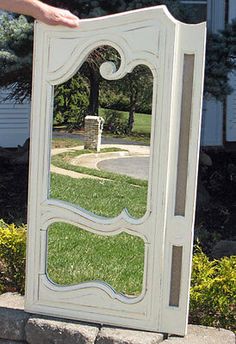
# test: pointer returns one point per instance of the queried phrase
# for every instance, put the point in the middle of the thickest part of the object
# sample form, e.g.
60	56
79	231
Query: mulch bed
13	192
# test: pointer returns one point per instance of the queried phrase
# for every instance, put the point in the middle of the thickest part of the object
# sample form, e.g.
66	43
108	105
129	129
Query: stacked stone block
93	132
19	327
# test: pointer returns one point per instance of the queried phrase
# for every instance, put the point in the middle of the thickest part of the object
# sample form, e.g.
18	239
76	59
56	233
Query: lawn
75	255
140	133
65	142
63	161
142	122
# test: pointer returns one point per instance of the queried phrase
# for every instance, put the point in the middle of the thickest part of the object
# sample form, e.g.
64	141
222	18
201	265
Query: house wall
212	117
231	100
14	122
218	128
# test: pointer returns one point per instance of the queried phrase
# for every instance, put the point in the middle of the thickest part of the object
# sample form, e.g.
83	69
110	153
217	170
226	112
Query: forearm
27	7
41	11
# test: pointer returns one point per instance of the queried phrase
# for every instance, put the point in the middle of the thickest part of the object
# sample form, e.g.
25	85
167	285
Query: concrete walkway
131	160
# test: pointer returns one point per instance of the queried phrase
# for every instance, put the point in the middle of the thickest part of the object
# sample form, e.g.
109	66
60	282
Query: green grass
75	255
63	161
117	260
140	133
66	142
142	122
102	197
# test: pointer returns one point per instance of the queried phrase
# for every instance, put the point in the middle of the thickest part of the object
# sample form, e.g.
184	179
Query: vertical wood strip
176	270
185	121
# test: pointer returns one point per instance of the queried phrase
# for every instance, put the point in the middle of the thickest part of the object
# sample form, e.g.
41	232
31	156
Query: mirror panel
76	256
113	176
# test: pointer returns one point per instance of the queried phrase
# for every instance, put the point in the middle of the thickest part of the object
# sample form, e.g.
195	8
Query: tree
16	45
134	93
70	106
220	61
90	70
17	38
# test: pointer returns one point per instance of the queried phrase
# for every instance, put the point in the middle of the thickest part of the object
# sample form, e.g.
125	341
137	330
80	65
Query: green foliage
111	97
16	46
213	291
115	122
12	257
219	63
16	42
71	102
134	91
97	8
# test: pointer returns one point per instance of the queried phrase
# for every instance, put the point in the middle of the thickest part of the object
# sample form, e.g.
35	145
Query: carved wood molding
175	54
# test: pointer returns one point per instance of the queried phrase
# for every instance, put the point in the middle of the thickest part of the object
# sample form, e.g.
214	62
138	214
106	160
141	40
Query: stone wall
19	327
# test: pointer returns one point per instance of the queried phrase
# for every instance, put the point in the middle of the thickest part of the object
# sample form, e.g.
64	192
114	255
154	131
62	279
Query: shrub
212	295
71	102
115	122
12	257
213	291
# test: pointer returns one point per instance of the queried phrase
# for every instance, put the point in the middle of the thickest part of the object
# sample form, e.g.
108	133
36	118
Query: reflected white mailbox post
175	54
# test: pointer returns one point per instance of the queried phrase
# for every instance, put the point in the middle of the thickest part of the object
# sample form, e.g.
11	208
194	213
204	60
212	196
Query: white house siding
212	116
231	113
231	100
14	122
212	121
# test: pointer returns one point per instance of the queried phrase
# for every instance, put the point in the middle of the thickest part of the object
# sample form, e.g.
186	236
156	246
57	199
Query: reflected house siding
14	122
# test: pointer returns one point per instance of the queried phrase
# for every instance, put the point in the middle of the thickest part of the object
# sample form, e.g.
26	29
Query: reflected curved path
136	167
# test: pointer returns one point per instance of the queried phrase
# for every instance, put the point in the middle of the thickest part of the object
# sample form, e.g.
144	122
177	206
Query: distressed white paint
14	121
154	38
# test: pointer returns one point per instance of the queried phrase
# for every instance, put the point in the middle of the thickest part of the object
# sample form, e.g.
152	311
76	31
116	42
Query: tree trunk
131	118
94	91
133	102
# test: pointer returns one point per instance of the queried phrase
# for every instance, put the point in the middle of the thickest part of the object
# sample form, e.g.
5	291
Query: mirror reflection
76	255
101	138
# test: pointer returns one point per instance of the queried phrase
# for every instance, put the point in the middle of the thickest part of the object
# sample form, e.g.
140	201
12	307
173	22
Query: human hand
41	11
56	16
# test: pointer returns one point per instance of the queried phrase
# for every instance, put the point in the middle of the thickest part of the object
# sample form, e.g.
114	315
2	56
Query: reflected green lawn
75	255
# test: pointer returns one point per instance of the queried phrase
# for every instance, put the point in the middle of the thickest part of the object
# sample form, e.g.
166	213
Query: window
197	8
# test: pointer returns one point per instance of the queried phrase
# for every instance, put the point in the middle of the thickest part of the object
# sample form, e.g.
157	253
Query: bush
115	122
71	102
212	295
213	291
12	257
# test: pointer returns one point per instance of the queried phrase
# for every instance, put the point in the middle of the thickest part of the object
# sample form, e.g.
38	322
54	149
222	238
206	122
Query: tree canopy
16	44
